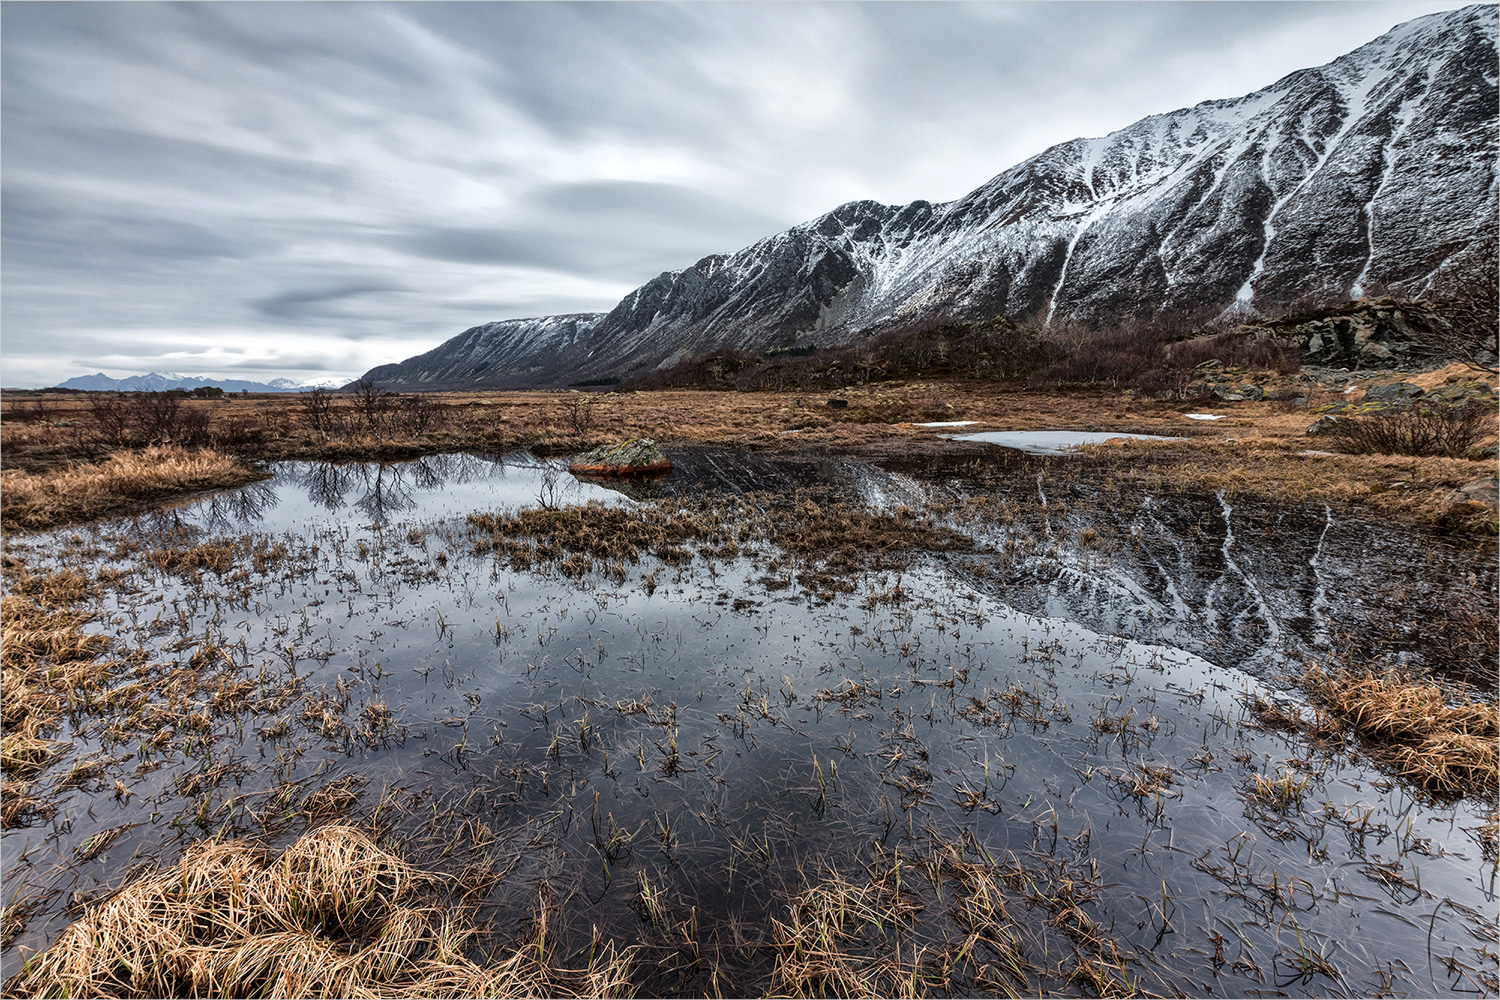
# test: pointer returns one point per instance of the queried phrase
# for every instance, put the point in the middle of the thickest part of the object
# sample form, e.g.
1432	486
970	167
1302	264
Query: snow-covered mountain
1375	170
161	381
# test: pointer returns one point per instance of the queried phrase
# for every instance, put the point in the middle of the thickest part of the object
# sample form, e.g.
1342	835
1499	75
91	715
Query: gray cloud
314	187
308	303
617	230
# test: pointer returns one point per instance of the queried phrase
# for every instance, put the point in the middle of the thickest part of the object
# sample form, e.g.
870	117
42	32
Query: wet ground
674	748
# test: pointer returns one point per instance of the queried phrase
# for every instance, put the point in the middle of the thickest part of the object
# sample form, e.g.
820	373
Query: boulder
635	457
1480	491
1324	424
1395	392
1236	392
838	404
1459	393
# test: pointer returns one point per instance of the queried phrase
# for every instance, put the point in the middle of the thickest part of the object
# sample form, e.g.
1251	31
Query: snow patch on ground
1052	442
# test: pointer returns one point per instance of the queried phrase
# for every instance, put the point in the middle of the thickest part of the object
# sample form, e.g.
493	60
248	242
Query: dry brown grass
46	660
944	921
829	542
880	419
334	915
32	500
1408	725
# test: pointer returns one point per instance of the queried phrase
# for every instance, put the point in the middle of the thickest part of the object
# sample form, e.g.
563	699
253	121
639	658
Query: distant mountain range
1375	171
161	381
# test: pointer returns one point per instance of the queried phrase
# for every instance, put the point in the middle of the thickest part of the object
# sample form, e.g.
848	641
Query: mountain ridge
162	381
1373	171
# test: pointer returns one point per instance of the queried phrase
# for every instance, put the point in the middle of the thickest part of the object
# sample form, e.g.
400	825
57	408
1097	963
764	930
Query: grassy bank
78	492
1255	448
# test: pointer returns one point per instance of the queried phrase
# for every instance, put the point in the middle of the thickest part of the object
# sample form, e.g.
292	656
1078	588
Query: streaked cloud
295	189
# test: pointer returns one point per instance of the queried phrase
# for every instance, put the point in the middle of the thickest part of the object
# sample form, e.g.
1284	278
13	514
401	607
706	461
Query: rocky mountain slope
1375	171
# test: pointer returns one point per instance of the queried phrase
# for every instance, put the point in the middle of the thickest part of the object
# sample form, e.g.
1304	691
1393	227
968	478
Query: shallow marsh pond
1086	694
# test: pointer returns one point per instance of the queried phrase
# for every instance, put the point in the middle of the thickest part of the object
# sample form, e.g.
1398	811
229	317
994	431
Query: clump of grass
1281	792
29	500
837	938
1406	724
830	540
334	915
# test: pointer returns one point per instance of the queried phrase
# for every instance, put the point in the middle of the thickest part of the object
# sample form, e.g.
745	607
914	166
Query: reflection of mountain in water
1239	583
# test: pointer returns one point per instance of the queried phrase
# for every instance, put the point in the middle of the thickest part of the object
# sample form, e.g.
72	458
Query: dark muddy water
1070	698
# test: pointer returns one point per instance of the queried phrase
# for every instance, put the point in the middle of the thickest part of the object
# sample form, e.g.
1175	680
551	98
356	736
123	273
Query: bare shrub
317	410
1236	348
581	414
372	403
29	411
111	416
1118	355
416	414
1424	429
156	416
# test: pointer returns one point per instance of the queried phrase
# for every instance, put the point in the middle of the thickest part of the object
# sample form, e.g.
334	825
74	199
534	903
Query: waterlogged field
976	725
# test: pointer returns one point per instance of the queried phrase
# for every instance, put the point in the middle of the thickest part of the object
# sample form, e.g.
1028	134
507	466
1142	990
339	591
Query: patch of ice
1204	416
948	423
1316	454
1051	442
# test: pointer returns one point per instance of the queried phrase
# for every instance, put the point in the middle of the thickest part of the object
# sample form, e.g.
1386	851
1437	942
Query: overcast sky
303	189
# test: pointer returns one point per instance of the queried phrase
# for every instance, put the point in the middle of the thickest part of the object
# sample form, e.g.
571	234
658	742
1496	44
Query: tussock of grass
332	916
1444	748
829	541
29	500
838	939
862	936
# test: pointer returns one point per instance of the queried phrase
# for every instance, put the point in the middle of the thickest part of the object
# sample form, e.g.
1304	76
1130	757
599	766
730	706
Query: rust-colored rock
635	457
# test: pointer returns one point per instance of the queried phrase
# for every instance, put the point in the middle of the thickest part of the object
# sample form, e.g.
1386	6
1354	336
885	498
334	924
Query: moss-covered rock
634	457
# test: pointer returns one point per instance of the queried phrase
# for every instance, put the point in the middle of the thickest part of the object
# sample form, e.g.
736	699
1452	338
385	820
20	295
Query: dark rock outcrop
1378	333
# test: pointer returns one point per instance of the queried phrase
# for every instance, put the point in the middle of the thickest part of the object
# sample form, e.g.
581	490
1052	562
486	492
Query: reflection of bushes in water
383	488
334	915
1422	429
1452	627
1444	748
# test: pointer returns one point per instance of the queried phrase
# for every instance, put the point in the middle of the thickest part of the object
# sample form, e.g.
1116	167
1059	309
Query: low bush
1424	429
